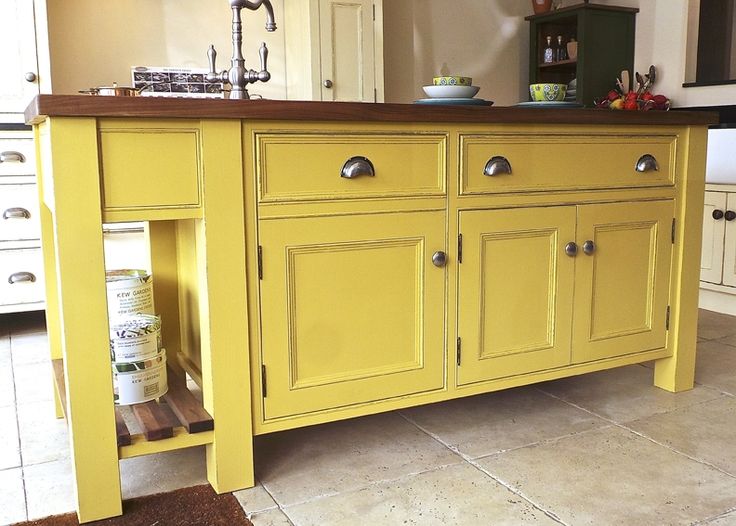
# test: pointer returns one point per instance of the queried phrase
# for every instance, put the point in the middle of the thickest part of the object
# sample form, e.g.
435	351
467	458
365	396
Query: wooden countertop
159	107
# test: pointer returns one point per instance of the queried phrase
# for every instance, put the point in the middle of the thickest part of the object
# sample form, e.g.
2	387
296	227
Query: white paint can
129	291
139	382
135	338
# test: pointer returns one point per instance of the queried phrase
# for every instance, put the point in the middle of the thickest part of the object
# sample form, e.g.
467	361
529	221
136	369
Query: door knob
717	214
571	249
730	215
439	259
589	247
327	83
30	76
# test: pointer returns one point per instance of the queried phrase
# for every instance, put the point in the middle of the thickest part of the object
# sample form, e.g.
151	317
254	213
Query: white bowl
451	92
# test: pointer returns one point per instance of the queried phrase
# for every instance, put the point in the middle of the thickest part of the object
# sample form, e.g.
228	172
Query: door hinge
263	381
667	319
459	248
375	94
459	350
374	12
673	230
260	262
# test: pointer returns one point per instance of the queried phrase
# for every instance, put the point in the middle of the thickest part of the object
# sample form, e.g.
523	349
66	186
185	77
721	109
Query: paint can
129	291
135	338
139	382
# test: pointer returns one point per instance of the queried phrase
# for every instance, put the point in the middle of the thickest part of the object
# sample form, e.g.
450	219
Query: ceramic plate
465	101
550	104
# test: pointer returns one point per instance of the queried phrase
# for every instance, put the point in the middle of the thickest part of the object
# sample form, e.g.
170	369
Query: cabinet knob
497	165
439	259
571	249
357	166
647	163
12	157
20	277
327	84
30	76
717	214
589	247
730	215
16	213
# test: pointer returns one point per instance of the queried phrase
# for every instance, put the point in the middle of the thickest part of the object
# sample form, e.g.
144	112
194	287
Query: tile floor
600	449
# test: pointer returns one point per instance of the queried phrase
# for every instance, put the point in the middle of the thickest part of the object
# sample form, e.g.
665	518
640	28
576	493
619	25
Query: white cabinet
19	72
718	257
334	50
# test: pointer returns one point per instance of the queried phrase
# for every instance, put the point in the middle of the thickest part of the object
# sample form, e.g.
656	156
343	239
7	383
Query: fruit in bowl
451	92
547	92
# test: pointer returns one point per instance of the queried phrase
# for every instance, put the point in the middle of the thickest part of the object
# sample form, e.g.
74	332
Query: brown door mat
196	506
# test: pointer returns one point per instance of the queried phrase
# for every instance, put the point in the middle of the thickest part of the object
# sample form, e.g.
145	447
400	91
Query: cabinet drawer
21	276
564	162
301	167
18	157
19	212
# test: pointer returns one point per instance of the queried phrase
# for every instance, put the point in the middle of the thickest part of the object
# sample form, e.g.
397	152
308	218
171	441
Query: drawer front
308	167
564	162
21	276
19	212
17	157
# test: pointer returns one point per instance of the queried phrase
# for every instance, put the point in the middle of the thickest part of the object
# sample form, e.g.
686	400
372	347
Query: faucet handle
213	75
263	75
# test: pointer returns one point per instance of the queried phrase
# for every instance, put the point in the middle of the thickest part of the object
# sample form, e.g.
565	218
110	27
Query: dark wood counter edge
159	107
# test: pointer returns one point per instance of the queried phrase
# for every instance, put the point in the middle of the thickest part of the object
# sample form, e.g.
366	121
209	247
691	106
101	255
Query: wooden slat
58	365
121	429
155	424
188	409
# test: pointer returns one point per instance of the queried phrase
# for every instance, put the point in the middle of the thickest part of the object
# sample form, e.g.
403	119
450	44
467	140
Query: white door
18	45
348	55
729	242
711	259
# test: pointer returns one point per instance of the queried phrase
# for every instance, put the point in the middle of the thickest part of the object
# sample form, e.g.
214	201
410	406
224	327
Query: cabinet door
18	44
711	259
352	309
729	242
515	291
348	52
622	287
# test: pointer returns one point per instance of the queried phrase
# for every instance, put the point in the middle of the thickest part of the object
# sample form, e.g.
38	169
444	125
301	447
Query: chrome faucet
238	76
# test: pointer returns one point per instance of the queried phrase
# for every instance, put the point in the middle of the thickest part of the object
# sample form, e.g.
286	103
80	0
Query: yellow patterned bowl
452	80
547	92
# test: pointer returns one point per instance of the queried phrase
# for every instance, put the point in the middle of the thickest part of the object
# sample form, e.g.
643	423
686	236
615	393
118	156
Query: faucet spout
255	4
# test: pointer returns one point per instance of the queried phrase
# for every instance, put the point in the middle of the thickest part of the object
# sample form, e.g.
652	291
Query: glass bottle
549	53
561	49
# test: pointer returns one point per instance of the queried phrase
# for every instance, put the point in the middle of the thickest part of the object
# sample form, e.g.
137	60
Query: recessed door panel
515	291
729	242
353	309
711	260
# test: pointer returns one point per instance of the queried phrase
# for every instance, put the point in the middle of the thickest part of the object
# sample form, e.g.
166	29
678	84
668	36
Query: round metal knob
571	249
717	214
327	83
730	215
439	259
30	76
589	247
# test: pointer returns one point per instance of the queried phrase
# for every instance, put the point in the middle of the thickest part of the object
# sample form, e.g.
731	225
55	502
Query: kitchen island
321	261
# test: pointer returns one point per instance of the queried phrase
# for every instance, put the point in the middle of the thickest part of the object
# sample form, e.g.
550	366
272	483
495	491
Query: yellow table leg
677	373
71	192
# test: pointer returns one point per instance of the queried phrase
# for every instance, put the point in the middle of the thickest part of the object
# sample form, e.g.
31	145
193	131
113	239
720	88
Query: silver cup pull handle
16	213
21	277
647	163
12	157
497	165
357	166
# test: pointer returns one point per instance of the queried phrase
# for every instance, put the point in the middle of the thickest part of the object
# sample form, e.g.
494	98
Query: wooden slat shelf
569	62
176	414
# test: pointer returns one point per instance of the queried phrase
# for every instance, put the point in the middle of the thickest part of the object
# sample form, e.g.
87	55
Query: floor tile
33	382
460	495
305	463
49	488
705	431
274	517
623	394
716	366
151	474
485	424
612	476
713	325
255	499
29	348
12	500
7	386
729	519
43	437
10	448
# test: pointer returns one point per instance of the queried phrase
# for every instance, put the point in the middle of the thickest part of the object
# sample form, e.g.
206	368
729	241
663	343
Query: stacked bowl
452	89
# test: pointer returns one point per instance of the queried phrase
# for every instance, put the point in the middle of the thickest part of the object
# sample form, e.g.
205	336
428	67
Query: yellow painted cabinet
352	309
544	287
